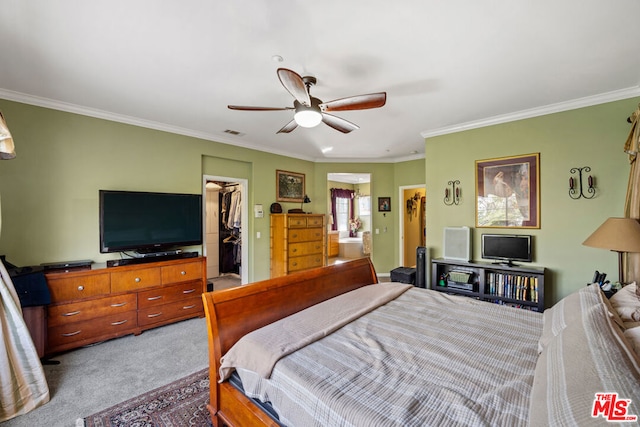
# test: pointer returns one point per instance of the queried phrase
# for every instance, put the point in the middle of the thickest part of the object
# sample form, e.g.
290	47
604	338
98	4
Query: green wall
592	136
49	192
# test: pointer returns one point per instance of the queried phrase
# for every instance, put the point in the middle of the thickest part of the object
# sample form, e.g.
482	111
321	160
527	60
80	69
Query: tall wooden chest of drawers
88	306
298	242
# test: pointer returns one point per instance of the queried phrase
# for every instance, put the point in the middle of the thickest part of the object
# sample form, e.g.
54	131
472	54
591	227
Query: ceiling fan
310	111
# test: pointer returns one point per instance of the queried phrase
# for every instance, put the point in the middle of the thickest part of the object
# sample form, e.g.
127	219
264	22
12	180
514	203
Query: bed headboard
232	313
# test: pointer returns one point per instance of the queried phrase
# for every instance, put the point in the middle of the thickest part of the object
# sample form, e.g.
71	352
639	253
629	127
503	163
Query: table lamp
618	235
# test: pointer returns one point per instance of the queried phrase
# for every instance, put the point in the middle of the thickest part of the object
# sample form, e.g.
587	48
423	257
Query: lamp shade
7	148
616	234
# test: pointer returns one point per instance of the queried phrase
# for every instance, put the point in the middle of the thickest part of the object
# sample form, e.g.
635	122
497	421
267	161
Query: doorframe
401	208
244	217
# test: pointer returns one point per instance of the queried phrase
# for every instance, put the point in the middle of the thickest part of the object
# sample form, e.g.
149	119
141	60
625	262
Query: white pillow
627	303
633	335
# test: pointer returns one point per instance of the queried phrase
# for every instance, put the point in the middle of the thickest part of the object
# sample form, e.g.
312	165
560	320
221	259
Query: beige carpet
225	281
91	379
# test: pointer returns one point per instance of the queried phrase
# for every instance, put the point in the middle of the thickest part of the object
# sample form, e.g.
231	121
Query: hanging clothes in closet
230	224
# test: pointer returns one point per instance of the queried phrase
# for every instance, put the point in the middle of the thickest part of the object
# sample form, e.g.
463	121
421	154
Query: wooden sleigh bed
431	358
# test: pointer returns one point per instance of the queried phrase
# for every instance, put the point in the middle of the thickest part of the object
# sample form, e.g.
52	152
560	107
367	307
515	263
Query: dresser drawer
181	272
305	235
84	310
190	307
168	294
297	222
68	288
92	330
305	248
305	262
122	281
315	221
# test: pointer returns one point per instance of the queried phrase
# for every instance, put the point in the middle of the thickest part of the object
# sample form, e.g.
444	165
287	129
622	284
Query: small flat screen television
507	248
149	222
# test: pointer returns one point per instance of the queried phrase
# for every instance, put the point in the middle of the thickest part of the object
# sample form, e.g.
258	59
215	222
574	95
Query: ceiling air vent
233	132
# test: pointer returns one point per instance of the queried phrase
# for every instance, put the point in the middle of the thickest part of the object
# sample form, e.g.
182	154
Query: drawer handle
295	236
70	334
154	298
81	288
295	264
183	272
72	313
138	280
188	307
188	291
295	250
122	322
154	315
122	304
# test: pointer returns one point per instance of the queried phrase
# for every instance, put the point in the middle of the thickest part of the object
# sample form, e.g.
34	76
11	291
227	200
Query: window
342	213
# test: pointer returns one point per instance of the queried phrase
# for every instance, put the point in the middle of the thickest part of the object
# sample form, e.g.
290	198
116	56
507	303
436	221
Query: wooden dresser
298	242
89	306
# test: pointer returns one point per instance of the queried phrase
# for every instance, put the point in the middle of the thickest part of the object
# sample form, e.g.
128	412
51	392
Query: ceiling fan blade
358	102
250	108
288	127
337	123
295	85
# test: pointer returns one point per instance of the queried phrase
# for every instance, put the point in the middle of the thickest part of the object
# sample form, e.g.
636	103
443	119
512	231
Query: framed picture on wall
508	192
384	204
289	186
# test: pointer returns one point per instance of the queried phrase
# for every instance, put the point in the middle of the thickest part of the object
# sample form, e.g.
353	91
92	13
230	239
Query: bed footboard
232	313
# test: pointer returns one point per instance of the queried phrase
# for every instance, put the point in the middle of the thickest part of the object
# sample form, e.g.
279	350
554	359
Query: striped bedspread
425	358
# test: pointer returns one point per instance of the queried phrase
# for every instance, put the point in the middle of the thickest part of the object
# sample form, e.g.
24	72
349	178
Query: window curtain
342	193
7	148
24	386
631	269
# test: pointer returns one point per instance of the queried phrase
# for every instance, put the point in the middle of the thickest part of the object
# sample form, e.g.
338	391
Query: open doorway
350	219
225	223
412	222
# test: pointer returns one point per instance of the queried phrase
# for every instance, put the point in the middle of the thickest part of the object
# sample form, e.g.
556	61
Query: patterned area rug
181	403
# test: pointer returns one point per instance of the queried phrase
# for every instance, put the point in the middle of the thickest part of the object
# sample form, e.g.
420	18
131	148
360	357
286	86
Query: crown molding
588	101
120	118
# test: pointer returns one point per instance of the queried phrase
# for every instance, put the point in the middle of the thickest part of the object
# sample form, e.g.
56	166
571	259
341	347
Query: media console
92	305
513	285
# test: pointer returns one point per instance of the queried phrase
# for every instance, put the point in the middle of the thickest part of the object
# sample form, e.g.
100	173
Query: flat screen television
507	248
149	222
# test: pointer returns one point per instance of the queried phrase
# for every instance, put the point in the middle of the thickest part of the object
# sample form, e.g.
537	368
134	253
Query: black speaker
421	260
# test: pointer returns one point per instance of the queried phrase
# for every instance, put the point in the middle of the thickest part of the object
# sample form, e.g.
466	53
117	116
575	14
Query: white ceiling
445	65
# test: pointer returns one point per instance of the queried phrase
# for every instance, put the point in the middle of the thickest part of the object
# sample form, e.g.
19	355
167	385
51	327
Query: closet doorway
225	225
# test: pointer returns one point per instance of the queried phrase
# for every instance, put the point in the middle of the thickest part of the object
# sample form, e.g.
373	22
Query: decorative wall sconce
452	195
576	186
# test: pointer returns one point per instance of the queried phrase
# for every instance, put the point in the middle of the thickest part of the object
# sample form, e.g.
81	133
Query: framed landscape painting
289	186
508	192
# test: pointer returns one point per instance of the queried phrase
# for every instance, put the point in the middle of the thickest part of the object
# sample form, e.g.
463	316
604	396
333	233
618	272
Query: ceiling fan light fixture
307	118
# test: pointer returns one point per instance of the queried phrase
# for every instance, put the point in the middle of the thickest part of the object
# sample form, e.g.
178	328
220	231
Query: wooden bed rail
232	313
